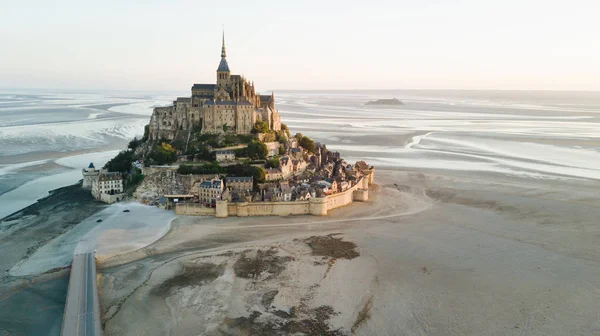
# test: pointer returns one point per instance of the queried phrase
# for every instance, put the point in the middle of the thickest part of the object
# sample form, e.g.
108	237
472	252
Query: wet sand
33	305
434	255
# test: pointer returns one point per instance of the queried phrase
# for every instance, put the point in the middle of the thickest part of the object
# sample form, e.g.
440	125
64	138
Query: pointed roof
91	165
223	66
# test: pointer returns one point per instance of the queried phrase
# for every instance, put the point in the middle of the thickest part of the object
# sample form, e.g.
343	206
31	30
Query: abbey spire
223	53
223	72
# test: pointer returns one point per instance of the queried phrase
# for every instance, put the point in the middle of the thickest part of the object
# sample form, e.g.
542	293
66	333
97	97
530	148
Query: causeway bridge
82	309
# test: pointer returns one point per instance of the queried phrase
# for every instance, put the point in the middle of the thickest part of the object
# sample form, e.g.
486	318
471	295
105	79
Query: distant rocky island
392	101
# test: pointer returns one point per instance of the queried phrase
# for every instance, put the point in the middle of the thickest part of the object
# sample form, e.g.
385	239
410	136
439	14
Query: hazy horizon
513	45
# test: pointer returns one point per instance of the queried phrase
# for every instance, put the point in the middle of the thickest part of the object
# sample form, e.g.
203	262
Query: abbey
229	106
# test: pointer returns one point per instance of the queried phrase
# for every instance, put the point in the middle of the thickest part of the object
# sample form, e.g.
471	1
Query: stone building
239	183
229	106
108	187
210	191
273	174
224	155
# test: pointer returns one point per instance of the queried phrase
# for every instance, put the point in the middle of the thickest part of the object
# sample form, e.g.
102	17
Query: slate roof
273	170
226	151
210	184
204	86
91	165
265	98
227	102
238	179
223	66
285	189
110	176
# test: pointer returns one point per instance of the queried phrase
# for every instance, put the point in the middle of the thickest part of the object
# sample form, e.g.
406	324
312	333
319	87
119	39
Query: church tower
223	72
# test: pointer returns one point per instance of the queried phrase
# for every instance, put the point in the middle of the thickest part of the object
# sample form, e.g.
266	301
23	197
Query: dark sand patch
264	261
316	324
192	274
332	246
268	297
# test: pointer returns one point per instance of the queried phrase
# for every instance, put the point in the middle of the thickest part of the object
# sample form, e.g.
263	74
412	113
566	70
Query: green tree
307	144
240	152
281	137
259	175
162	154
207	168
298	136
257	150
260	127
281	150
134	144
273	163
121	162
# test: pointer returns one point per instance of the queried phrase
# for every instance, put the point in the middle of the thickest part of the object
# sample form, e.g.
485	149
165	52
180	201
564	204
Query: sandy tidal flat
428	255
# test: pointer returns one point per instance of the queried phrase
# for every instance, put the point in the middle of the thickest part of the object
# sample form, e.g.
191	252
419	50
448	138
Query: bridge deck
82	310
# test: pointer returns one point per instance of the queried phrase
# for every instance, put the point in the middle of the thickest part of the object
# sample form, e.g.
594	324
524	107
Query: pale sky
169	45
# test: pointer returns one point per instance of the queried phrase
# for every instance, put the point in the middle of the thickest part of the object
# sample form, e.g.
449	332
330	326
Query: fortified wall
316	206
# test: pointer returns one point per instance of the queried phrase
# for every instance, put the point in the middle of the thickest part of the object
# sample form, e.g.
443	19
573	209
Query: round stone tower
90	174
318	206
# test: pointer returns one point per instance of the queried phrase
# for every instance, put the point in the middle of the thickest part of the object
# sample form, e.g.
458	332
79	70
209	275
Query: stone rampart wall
315	206
110	199
343	198
232	209
273	208
193	210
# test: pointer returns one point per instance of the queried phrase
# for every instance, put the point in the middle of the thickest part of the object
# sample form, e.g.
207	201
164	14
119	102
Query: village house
286	191
239	183
298	165
285	165
225	155
334	186
192	181
343	186
302	194
296	153
273	174
108	187
210	191
271	194
226	195
324	187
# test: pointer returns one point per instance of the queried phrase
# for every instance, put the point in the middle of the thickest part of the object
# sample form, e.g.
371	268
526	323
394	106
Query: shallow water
36	310
537	135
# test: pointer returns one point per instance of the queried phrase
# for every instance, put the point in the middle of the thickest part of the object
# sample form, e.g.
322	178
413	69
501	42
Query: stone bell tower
223	72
